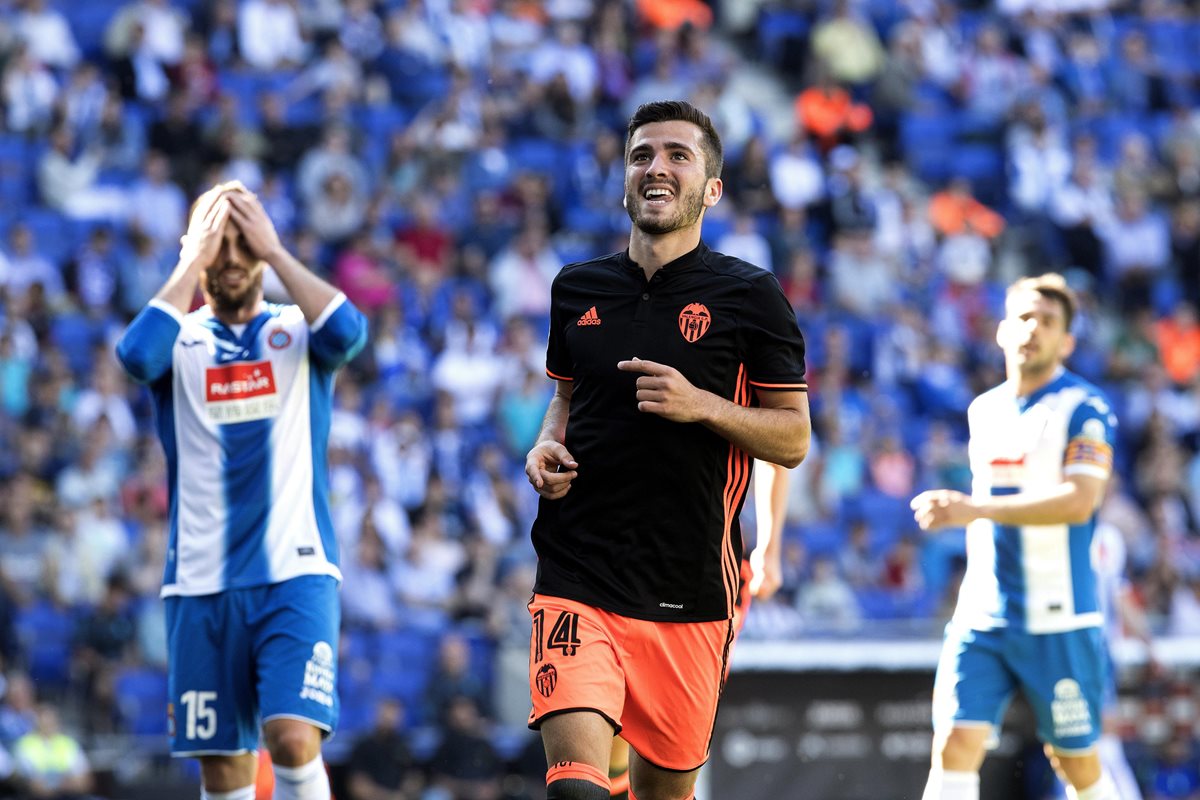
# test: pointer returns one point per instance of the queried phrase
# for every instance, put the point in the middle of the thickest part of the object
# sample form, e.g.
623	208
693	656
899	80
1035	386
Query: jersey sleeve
145	347
1091	436
558	359
339	334
775	346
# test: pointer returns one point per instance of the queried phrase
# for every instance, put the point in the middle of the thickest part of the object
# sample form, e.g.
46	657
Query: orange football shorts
657	683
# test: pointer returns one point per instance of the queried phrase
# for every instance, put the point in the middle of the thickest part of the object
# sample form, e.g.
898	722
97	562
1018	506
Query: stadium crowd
439	160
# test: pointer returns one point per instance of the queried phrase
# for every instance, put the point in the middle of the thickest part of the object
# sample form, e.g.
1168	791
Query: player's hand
256	226
206	229
663	390
550	469
766	575
943	508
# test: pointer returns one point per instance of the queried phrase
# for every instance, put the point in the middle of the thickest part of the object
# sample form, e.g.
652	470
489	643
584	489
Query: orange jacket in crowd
1179	348
825	113
953	212
672	14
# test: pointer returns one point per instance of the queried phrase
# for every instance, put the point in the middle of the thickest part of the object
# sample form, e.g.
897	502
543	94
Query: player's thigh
674	672
212	696
650	782
584	737
573	667
973	683
296	636
1064	676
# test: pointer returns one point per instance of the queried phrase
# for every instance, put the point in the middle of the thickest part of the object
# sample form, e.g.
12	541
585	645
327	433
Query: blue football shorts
244	656
1064	677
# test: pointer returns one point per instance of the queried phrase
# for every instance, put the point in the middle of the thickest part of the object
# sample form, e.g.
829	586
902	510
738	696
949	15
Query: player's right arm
144	349
549	465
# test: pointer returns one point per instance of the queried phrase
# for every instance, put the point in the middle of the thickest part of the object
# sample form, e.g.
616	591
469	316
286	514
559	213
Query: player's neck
1029	382
240	315
652	250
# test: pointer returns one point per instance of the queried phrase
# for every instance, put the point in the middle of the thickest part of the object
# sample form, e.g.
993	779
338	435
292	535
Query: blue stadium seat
141	694
405	657
46	633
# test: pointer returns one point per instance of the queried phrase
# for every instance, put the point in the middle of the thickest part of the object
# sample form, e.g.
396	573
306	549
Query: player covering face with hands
243	391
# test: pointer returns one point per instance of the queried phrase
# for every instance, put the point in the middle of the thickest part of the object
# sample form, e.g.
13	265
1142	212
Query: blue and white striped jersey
243	413
1037	578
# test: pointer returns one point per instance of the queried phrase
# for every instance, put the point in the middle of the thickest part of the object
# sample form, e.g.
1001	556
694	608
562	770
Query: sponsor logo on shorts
546	679
1070	711
671	605
318	675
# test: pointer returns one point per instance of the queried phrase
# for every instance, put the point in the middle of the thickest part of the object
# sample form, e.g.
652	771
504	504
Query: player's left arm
766	559
339	329
1087	465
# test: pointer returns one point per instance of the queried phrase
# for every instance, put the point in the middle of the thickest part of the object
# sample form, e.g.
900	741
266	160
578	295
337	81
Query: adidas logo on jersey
590	317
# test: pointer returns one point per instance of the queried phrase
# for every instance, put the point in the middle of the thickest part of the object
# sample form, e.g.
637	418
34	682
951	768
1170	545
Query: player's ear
713	189
1067	347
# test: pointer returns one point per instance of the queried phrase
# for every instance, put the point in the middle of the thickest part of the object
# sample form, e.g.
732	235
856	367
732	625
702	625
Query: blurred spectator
360	31
825	601
1081	208
269	34
82	98
521	274
1137	248
365	567
18	708
24	539
51	764
955	211
453	679
29	90
829	114
847	46
856	560
466	765
46	33
381	765
991	75
67	181
1178	339
156	205
861	280
28	267
745	242
796	175
162	29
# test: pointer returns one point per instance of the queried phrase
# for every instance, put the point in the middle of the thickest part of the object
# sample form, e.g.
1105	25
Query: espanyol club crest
694	321
279	339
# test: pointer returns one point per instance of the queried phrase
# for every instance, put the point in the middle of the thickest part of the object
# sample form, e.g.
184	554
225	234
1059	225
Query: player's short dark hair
1052	286
683	111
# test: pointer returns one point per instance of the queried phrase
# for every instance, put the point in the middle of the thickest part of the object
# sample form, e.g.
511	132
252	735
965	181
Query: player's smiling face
235	280
1033	333
665	185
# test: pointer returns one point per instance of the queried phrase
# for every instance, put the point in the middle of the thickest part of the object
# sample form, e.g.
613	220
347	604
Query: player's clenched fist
550	469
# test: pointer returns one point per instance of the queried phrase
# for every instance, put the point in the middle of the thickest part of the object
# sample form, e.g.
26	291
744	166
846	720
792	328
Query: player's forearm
180	288
778	435
1065	503
554	424
309	291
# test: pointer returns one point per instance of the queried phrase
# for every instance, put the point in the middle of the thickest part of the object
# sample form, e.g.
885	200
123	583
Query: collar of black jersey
686	261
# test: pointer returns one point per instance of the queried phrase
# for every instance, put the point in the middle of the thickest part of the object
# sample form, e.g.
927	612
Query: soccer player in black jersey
676	366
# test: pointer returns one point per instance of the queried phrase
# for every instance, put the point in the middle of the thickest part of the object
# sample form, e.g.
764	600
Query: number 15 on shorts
200	714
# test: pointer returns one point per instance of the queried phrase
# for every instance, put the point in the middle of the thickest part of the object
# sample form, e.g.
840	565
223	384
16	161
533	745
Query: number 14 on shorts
564	634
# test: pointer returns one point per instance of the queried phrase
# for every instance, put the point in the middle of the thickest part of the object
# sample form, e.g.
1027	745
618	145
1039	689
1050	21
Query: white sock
1116	765
1103	789
244	793
305	782
950	785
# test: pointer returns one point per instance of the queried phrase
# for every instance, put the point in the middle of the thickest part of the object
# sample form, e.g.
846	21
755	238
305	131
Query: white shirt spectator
29	92
157	205
1083	200
797	180
567	54
521	275
47	34
1136	239
471	376
746	243
1040	165
269	34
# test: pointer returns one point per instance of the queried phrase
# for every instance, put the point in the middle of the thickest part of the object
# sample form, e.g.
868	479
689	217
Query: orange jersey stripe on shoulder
799	387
